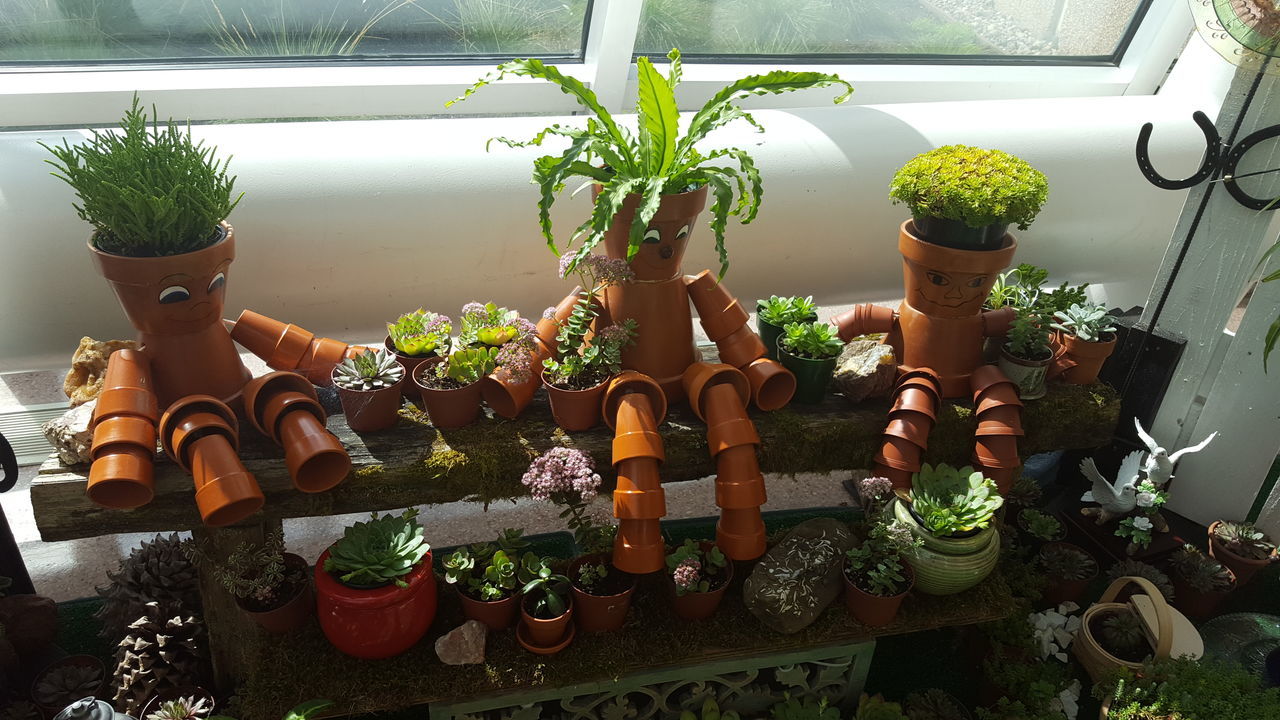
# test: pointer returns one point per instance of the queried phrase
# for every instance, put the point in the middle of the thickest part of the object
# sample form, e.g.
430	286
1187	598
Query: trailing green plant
1067	563
782	311
1040	525
1123	635
933	704
468	365
950	500
975	186
875	707
421	333
258	574
182	708
876	565
1186	689
1136	568
1087	322
1245	540
803	708
487	571
813	340
710	711
373	369
1028	336
1201	572
693	570
656	160
377	551
1019	287
147	191
585	358
546	592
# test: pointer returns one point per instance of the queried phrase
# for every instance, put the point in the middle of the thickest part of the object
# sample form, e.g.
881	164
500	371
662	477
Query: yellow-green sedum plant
655	160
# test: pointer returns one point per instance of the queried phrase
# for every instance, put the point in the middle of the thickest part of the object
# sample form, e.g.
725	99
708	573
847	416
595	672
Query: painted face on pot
662	250
169	300
947	294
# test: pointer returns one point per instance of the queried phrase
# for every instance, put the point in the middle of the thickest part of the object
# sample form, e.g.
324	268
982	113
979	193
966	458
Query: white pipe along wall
344	225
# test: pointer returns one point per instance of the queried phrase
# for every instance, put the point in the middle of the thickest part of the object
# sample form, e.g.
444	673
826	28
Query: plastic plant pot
376	623
769	333
813	377
956	234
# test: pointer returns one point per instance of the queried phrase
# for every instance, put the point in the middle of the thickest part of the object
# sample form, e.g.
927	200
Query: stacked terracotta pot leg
201	434
283	406
999	412
501	392
124	434
718	394
915	408
634	405
289	347
725	322
864	320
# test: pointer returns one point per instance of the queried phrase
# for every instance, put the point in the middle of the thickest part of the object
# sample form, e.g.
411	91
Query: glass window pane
1095	29
53	31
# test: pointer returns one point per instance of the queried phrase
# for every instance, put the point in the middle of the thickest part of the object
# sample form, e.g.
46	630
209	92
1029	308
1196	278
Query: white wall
346	224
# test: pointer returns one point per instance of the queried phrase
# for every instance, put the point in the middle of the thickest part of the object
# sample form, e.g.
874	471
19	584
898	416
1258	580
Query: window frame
81	96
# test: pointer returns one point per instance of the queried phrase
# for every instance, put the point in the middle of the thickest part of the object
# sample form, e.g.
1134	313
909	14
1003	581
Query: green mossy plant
148	191
1185	689
975	186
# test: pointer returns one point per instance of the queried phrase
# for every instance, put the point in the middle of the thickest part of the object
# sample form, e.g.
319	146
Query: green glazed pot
945	566
769	333
813	377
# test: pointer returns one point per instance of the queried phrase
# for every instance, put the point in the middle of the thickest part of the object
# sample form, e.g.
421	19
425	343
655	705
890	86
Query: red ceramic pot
379	622
295	611
600	613
1243	567
576	410
874	610
495	614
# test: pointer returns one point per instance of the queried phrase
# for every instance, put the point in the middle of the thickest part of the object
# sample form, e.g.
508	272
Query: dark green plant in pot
656	159
546	593
1040	525
966	197
809	350
378	551
776	313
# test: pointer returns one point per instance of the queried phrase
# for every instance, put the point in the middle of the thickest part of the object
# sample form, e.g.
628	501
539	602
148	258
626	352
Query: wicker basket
1095	659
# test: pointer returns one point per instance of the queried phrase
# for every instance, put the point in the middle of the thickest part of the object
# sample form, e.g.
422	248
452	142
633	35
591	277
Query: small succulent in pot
258	574
1123	635
782	311
487	324
378	551
1088	322
421	333
949	501
1025	493
1243	539
546	593
65	683
461	368
695	571
876	565
1067	563
1040	525
370	370
487	571
1201	572
812	340
1136	568
182	708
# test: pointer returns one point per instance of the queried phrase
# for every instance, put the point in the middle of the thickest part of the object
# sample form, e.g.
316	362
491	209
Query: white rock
70	435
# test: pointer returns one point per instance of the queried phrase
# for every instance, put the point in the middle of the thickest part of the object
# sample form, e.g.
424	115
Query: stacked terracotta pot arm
283	406
289	347
634	405
915	408
718	394
124	434
999	413
501	392
864	320
996	323
725	322
201	434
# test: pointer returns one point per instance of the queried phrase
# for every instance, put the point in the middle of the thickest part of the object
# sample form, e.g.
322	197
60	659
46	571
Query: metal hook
1208	166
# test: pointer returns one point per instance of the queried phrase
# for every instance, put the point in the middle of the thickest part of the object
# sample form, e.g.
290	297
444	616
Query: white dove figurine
1159	464
1115	499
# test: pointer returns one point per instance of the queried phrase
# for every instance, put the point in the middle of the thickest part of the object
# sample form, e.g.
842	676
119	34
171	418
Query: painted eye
217	282
652	235
174	294
938	279
977	282
684	233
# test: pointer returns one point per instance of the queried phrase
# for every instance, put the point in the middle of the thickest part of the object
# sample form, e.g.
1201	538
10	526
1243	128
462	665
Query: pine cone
158	655
157	571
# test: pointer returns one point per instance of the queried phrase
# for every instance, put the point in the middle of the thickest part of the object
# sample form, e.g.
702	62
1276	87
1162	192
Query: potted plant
700	573
776	313
1148	572
587	356
375	589
179	704
950	510
870	707
1024	493
1243	548
510	383
546	607
485	576
66	681
965	198
270	585
1026	354
416	337
934	704
809	350
1200	582
1040	527
1186	688
1068	571
450	386
1113	635
369	388
875	578
1086	337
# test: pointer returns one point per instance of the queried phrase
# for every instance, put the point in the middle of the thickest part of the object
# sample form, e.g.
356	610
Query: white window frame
78	97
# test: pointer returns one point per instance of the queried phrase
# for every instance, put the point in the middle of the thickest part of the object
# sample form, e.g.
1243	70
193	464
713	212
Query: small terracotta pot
284	407
1242	567
448	408
1193	603
740	348
379	622
1088	357
122	478
1001	420
916	399
719	312
495	614
576	410
864	319
899	453
772	386
201	435
127	388
371	410
914	427
999	451
628	382
813	377
701	377
289	347
1028	375
294	612
410	364
638	501
731	433
163	696
1059	590
506	397
545	633
739	483
599	613
874	610
699	605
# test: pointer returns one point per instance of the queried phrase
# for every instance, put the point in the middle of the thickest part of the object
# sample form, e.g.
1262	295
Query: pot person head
945	282
662	251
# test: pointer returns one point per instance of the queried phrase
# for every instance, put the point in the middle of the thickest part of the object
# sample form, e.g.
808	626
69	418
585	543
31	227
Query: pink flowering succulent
875	493
567	476
687	574
584	360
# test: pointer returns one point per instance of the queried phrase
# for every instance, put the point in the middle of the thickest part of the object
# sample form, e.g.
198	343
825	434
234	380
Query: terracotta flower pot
496	614
448	408
288	347
772	386
1028	375
1088	357
201	435
507	397
292	613
284	407
599	613
75	660
371	410
1242	567
378	622
410	364
874	610
1193	603
700	605
545	633
1059	590
813	377
576	410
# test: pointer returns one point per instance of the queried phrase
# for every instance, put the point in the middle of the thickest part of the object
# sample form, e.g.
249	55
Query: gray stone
70	435
800	576
463	645
865	369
